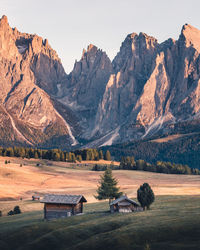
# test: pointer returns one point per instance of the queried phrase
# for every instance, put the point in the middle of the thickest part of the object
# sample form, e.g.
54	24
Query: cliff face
149	89
154	87
29	70
86	84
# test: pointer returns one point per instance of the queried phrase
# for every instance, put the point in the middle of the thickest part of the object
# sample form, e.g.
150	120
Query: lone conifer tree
108	187
145	196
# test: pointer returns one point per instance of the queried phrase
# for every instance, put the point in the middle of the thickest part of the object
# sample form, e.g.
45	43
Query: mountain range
149	90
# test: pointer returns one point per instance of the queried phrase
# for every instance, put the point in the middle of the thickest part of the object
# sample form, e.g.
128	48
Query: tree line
159	167
129	163
186	150
56	154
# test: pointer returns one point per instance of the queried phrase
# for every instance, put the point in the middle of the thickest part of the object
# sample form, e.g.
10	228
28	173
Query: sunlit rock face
29	71
153	88
149	89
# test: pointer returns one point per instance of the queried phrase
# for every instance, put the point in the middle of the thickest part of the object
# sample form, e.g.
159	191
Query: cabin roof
124	198
63	199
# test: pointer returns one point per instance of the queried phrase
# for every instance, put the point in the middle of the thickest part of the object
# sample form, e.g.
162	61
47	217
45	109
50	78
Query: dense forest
128	162
185	150
56	154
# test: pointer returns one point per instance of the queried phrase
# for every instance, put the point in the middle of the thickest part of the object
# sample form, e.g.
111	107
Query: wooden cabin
124	205
57	206
35	197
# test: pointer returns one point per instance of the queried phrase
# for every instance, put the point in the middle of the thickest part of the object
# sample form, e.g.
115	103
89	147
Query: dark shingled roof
63	199
122	198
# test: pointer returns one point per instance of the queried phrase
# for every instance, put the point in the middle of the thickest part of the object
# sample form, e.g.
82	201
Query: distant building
124	205
35	197
57	206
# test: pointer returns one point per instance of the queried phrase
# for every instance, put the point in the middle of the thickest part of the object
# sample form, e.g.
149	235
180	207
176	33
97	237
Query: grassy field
60	177
172	223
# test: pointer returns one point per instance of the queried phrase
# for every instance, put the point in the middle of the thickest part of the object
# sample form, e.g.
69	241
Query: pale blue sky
70	25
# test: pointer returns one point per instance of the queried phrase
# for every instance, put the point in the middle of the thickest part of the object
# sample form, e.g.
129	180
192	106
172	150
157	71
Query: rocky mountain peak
91	51
134	48
190	36
90	47
4	20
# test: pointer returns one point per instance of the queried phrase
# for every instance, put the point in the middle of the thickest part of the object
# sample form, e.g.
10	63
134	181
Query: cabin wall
125	208
52	211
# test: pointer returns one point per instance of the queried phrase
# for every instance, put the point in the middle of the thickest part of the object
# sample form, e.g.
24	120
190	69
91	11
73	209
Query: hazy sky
70	25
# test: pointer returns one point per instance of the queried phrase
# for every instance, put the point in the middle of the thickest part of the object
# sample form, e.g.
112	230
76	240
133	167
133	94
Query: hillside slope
168	225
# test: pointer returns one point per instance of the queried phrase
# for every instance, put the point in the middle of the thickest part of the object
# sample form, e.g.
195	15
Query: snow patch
110	141
60	92
156	125
74	141
43	119
17	131
22	48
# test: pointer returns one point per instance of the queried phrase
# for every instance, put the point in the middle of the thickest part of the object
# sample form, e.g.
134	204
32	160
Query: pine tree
36	155
101	155
73	157
107	156
108	187
79	158
145	196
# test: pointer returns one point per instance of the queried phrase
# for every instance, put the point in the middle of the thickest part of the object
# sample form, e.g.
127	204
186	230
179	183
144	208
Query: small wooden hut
35	197
56	206
124	205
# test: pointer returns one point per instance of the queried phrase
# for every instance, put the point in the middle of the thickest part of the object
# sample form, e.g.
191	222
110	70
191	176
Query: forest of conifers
128	162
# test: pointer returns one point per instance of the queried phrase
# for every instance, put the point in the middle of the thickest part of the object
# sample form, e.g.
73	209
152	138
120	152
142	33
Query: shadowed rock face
29	70
86	84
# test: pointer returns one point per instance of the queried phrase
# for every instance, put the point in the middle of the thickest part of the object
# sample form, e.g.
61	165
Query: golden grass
172	137
22	182
116	163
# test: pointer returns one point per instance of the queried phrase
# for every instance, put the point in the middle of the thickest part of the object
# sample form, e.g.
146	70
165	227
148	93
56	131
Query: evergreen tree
101	155
73	157
62	156
70	157
107	156
79	158
108	187
145	196
36	155
88	156
56	156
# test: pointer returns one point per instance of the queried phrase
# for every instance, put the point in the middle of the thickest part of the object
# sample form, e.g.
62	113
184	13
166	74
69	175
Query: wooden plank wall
52	211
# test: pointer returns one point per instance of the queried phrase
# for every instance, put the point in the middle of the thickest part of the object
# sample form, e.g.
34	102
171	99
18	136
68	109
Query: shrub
145	195
0	213
10	213
17	210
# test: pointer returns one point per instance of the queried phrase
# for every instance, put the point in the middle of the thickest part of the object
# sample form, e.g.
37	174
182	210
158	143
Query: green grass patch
172	223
